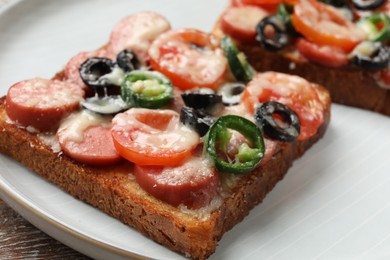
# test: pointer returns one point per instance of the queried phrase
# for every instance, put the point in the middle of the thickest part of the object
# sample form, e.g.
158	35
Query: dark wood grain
21	240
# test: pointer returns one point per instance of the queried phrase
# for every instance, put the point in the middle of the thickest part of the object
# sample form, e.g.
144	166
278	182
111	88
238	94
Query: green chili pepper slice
237	61
284	11
248	156
148	89
377	26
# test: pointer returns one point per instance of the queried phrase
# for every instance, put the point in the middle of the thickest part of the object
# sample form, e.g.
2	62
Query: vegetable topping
148	89
272	33
196	119
371	56
128	60
249	153
278	121
189	58
153	137
377	26
368	4
231	93
294	92
237	61
94	70
202	98
324	25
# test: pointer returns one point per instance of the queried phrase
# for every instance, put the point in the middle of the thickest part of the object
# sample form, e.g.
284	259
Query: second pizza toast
342	45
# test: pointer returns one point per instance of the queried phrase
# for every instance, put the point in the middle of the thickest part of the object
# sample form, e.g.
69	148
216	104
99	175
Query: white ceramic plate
333	204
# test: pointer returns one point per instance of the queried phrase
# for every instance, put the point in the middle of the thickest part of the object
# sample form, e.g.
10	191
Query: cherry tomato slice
153	137
193	184
326	55
189	58
324	25
294	92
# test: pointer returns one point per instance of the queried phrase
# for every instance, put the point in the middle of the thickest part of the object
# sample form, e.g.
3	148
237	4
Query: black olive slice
93	70
274	39
197	47
128	60
335	3
371	56
286	127
231	93
202	98
196	119
368	4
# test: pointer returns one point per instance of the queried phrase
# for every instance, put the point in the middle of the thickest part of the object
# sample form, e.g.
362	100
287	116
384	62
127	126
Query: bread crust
114	190
347	86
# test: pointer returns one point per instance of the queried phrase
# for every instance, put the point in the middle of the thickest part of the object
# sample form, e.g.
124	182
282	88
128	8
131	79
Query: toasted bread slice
113	189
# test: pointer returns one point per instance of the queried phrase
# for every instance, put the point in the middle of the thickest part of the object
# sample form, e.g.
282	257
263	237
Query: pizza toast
355	76
42	140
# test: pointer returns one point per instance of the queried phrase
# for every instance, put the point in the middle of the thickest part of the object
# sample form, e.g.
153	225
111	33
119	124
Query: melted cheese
73	126
115	77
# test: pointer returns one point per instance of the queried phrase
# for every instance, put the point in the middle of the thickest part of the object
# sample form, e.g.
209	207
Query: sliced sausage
193	184
270	149
330	56
136	32
240	22
42	103
86	138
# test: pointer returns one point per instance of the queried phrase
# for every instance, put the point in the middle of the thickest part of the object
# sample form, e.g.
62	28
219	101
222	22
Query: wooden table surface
21	240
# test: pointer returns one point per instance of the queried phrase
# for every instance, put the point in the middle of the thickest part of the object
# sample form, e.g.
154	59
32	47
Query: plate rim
33	214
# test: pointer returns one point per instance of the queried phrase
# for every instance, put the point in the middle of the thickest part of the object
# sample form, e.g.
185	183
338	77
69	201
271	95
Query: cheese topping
73	126
173	135
115	77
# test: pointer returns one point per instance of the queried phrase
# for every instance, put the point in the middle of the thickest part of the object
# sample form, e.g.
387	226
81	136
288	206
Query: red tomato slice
189	58
324	25
294	92
326	55
153	137
193	184
86	138
240	22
